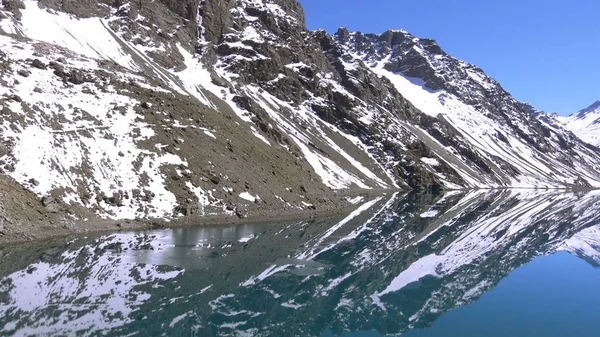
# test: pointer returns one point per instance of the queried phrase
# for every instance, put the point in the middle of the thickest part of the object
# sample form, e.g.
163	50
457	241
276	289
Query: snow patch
89	37
429	214
249	197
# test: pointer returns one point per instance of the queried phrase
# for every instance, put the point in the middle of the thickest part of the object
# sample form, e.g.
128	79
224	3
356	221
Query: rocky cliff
163	109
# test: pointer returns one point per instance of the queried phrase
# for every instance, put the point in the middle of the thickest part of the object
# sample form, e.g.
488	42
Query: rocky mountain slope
163	109
585	123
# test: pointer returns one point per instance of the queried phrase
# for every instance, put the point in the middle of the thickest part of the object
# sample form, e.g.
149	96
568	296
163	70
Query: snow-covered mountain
162	109
585	123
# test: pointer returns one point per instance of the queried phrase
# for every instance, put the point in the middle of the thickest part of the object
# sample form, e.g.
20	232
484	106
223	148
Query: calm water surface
506	263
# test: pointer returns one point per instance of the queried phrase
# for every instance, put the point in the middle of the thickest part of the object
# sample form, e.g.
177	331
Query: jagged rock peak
386	42
592	108
222	17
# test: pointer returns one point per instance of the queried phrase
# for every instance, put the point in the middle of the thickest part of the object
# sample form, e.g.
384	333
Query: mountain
585	123
164	109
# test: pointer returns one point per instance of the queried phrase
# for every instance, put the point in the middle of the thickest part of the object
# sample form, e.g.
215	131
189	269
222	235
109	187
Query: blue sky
545	52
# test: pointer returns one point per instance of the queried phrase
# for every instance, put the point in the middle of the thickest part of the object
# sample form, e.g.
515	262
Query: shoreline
98	226
265	215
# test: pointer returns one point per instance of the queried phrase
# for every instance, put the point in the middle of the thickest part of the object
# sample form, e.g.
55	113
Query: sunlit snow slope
585	123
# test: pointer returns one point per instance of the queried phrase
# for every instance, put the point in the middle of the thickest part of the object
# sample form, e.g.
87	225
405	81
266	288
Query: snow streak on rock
462	98
80	139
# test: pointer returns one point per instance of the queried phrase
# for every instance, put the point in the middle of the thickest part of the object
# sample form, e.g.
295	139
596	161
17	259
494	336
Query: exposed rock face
401	53
168	108
13	6
81	8
346	84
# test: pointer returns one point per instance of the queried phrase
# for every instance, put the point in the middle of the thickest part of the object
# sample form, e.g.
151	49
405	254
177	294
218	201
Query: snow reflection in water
385	267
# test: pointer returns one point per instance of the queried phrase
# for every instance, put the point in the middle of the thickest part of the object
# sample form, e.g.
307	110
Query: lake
479	263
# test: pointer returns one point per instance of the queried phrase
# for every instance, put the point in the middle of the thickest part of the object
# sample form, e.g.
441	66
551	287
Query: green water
505	263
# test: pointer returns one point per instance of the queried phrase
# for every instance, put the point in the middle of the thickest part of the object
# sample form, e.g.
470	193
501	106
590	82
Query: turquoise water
505	263
555	295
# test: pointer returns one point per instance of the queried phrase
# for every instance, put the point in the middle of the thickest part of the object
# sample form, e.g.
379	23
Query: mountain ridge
584	123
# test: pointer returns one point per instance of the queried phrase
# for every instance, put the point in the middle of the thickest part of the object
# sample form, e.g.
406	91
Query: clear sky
545	52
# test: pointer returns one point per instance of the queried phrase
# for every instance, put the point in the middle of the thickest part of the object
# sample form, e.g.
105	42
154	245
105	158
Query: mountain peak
595	106
586	123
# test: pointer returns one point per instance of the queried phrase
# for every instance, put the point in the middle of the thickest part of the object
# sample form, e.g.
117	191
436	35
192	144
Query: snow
177	320
355	200
263	6
360	167
259	136
414	90
430	161
206	198
475	126
291	305
481	79
426	266
377	301
585	125
246	239
106	142
500	228
8	26
272	270
55	155
297	66
197	78
334	283
249	197
330	172
210	134
477	290
585	243
107	292
250	33
315	248
311	253
89	37
537	169
509	221
429	214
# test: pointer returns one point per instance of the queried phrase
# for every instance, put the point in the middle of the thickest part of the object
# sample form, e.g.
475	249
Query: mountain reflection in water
395	264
